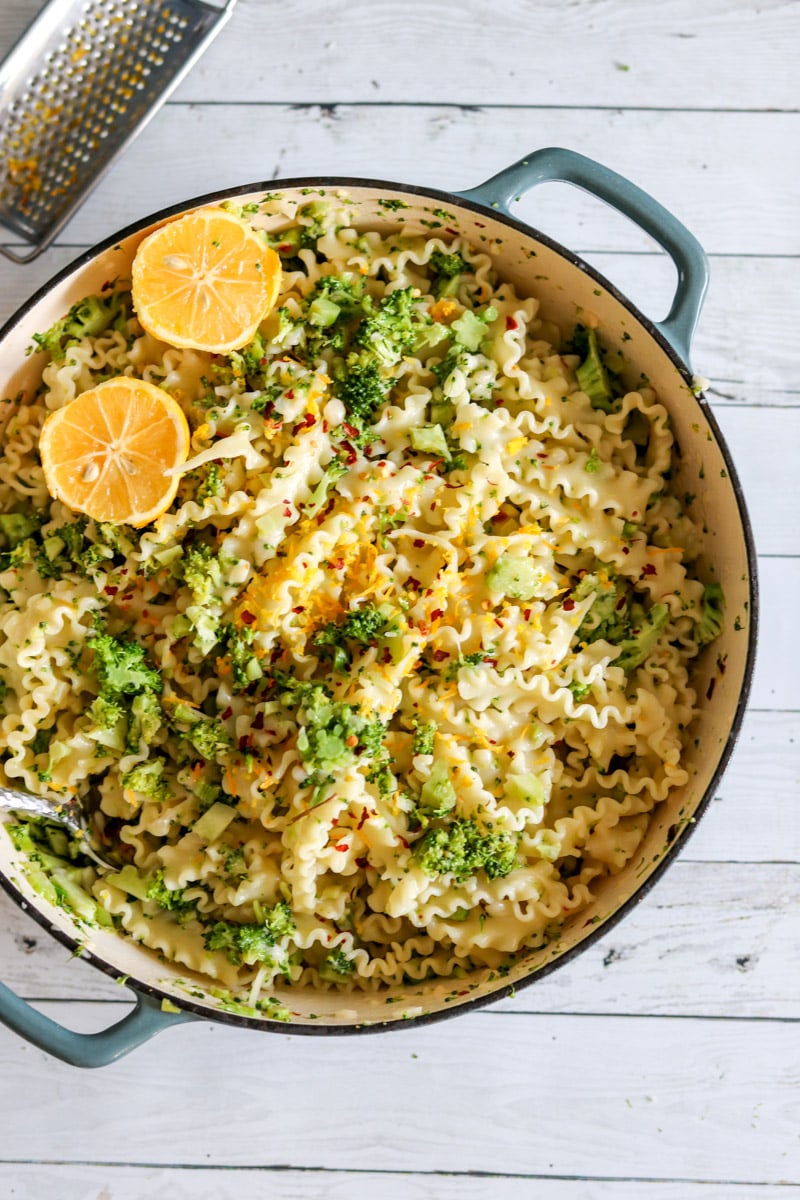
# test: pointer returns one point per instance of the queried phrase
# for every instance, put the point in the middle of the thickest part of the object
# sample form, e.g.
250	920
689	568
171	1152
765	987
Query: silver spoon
69	813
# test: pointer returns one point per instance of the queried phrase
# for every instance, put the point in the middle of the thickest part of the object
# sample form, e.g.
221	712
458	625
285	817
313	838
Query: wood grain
719	54
489	1089
709	184
32	1181
663	1063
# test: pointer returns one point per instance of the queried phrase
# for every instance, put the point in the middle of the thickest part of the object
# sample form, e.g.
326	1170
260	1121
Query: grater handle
21	258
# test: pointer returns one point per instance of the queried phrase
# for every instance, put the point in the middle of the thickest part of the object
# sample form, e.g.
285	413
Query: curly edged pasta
400	676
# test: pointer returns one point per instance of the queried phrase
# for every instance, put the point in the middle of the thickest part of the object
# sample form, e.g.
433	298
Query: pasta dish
399	675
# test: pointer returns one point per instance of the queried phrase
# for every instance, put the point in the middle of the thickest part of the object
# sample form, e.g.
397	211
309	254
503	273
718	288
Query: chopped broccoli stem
591	374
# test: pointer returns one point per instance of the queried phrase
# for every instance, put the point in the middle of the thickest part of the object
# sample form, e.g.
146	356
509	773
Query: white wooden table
664	1064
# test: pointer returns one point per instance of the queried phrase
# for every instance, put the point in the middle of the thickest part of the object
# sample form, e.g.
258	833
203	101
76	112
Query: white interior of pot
567	294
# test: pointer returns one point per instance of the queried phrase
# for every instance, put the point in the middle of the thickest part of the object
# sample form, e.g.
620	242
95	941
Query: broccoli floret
347	294
608	616
206	734
202	573
362	390
424	738
212	485
447	270
172	899
251	943
331	732
238	645
319	497
646	629
462	849
392	329
145	720
591	373
361	626
20	556
105	713
336	966
383	778
447	266
147	778
16	527
87	318
709	626
121	667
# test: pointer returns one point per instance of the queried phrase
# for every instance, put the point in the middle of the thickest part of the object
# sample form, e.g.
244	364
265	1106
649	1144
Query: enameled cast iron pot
566	286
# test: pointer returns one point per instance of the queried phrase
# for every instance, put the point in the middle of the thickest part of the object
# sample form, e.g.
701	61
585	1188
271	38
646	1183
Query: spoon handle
37	806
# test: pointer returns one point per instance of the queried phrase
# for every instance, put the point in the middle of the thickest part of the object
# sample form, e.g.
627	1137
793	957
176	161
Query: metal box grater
78	86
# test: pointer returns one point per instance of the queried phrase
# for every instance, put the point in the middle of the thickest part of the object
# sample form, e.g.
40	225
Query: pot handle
87	1049
557	164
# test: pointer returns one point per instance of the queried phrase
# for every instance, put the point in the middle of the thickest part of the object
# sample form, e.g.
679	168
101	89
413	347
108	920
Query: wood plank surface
86	1181
664	1062
692	162
660	1098
719	54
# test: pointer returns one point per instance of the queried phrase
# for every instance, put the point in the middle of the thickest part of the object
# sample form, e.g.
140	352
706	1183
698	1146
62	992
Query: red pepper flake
244	742
300	608
387	655
499	623
440	655
228	713
107	286
276	655
568	604
342	847
110	590
324	426
365	812
433	506
626	550
262	362
419	543
491	661
649	569
349	429
511	323
634	514
351	454
710	689
621	603
452	232
338	564
526	612
411	582
363	863
403	841
248	618
437	614
541	455
258	721
289	394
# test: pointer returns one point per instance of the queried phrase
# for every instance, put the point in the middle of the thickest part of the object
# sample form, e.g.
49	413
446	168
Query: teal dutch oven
566	285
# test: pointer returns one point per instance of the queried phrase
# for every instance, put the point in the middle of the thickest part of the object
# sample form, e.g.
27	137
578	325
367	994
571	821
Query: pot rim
195	1010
